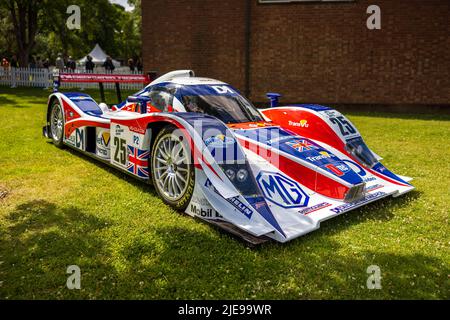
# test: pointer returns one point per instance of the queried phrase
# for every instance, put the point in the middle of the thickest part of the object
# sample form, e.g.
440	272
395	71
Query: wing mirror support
273	97
141	102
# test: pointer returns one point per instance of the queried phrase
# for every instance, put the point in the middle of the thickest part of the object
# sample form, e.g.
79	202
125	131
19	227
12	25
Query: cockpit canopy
221	101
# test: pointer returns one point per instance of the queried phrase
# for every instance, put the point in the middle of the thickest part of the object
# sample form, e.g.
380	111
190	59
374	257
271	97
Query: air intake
356	193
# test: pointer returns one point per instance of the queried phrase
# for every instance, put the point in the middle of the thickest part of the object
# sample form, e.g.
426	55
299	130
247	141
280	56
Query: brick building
309	52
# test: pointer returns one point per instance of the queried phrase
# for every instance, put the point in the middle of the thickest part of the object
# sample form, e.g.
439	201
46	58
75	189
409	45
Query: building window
291	1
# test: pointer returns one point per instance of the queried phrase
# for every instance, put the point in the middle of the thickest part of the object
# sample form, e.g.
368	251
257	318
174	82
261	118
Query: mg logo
282	190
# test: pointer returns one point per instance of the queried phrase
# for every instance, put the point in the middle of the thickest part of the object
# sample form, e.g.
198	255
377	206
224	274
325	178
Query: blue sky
123	3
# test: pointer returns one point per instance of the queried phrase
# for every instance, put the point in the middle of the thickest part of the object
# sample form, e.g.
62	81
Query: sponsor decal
314	208
330	113
374	187
80	98
103	140
368	198
203	212
246	211
301	124
223	89
71	140
235	202
219	141
334	169
136	140
281	190
301	145
257	125
323	155
137	130
119	130
79	138
343	168
110	78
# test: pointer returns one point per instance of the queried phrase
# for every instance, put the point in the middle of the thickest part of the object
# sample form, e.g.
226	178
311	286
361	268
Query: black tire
54	134
182	201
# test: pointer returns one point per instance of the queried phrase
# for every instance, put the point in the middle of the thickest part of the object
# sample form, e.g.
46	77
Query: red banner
108	78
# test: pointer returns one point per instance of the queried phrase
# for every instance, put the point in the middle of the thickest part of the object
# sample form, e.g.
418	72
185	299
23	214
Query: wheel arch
155	128
51	100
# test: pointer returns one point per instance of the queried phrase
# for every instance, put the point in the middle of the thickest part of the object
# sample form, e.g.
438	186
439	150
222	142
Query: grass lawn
64	209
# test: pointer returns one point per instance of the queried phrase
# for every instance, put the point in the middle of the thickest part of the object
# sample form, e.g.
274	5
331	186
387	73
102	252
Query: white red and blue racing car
274	173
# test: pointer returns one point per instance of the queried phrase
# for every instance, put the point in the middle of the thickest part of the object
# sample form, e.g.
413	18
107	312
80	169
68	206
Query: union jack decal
301	145
138	162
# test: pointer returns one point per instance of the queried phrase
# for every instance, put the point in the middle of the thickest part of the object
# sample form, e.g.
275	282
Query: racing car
262	174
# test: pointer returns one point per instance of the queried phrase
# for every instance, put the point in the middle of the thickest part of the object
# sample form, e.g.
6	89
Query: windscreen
228	108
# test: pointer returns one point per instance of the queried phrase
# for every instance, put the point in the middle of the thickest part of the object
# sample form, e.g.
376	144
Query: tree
7	39
38	27
24	17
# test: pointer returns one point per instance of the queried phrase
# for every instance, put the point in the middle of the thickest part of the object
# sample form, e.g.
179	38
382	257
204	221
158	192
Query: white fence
43	78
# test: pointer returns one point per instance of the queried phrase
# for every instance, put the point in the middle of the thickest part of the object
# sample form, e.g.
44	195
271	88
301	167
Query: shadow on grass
40	240
4	101
111	170
193	265
23	100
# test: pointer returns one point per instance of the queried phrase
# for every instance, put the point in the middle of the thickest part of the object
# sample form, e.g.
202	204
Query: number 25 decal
344	126
120	155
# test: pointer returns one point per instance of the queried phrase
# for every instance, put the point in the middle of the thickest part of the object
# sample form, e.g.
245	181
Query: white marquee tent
98	57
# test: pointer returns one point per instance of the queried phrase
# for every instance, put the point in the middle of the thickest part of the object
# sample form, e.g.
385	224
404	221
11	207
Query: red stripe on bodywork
72	126
69	112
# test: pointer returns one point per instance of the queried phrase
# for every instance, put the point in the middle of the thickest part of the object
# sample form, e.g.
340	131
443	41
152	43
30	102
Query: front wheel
173	173
56	124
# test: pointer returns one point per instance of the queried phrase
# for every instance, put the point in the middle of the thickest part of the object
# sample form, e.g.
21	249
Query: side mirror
273	97
141	101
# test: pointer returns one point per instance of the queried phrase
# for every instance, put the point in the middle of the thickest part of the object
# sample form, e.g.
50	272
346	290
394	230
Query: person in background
14	63
39	63
46	63
32	63
109	65
139	65
5	64
71	64
131	64
59	63
5	67
89	65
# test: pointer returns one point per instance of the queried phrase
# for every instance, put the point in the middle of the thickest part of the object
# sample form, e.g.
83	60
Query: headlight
242	178
230	174
242	175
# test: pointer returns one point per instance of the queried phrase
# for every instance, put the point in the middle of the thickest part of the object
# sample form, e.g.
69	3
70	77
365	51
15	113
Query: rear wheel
173	173
56	124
